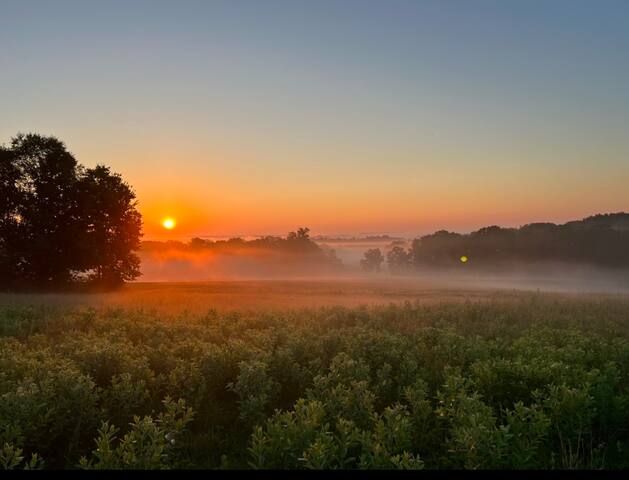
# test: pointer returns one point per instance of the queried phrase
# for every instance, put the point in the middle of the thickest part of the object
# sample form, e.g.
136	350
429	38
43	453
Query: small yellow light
463	259
169	223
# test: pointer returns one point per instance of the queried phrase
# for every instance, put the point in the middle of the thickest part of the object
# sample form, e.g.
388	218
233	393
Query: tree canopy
598	240
297	247
601	240
372	261
62	223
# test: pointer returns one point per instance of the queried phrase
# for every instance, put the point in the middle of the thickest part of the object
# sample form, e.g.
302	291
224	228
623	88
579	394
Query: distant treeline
601	240
297	244
368	238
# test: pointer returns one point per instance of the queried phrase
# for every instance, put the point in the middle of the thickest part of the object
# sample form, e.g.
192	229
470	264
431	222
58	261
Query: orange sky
204	204
346	117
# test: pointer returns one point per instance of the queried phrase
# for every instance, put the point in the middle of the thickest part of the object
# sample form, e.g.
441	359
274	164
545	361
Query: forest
600	240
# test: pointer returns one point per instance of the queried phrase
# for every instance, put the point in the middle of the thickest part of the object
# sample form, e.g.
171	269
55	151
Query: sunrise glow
169	223
477	120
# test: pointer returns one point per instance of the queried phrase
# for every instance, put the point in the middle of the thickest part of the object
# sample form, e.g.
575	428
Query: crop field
314	374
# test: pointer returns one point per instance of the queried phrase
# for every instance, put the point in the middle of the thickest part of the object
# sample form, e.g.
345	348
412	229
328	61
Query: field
314	374
198	297
349	291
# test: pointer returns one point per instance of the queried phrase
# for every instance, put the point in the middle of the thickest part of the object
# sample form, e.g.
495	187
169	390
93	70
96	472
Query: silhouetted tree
398	259
198	243
59	221
598	240
300	241
110	227
9	219
297	248
441	248
372	260
300	234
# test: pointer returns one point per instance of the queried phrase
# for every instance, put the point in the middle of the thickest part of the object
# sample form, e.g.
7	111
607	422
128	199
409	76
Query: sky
349	117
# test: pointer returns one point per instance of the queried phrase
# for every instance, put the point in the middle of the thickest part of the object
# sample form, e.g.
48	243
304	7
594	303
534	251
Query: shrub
539	382
150	443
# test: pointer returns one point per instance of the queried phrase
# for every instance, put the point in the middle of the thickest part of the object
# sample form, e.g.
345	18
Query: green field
204	378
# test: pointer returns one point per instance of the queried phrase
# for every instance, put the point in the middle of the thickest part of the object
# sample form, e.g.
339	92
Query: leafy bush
535	382
11	459
150	443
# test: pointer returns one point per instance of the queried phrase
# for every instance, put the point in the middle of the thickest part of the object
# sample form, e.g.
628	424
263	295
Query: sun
169	223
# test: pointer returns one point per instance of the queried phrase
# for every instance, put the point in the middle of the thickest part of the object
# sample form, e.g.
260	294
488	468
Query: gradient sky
252	117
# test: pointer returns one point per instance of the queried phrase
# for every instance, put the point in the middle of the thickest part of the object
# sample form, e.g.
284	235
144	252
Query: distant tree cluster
368	238
372	261
297	244
62	223
397	259
601	240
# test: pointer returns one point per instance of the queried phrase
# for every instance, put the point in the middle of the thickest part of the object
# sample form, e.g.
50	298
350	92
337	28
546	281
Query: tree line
601	240
61	223
297	244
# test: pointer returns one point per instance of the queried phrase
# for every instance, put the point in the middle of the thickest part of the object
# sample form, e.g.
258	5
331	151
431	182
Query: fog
544	277
172	265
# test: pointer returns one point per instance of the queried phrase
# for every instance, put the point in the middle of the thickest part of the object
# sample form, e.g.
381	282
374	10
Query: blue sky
401	116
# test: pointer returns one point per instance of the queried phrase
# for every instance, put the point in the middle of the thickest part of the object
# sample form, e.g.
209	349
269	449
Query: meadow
314	375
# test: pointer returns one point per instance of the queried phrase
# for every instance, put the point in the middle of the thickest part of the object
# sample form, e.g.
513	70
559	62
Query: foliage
398	259
149	444
373	260
11	459
61	222
598	240
275	254
535	382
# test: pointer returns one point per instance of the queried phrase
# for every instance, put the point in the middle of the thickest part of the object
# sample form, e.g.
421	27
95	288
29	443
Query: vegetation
600	240
61	223
398	259
297	247
354	239
372	261
538	382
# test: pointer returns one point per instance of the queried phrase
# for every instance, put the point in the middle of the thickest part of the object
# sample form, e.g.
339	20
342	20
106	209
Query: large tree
110	225
61	222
